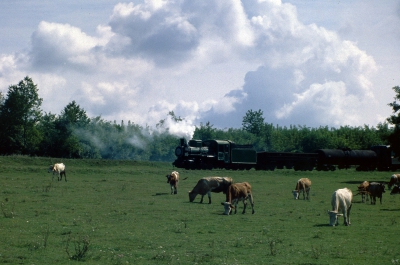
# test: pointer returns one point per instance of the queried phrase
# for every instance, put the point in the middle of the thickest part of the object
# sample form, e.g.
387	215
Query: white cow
58	169
341	202
303	184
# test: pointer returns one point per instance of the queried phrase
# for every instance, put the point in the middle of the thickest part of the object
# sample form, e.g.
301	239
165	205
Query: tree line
25	129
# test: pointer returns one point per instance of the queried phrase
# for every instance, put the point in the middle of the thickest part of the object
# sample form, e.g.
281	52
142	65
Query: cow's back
341	199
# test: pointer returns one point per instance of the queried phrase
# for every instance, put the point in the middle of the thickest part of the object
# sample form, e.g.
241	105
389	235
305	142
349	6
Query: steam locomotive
225	154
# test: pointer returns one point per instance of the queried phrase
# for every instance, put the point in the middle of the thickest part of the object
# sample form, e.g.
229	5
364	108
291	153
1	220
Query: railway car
225	154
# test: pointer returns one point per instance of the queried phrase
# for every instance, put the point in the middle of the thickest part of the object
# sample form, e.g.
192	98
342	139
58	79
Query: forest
26	130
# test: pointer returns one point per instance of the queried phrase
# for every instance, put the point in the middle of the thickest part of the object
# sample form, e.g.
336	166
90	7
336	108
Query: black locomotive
225	154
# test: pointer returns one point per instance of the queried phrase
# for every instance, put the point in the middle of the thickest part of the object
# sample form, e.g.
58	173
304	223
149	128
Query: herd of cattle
341	199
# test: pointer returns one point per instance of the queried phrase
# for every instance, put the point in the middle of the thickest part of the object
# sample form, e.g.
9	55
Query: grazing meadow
122	212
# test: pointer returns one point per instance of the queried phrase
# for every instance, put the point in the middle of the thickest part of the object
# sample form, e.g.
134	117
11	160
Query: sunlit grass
121	212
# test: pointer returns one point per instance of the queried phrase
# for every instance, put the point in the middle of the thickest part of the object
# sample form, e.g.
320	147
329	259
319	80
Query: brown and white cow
363	190
173	180
394	180
238	192
210	184
303	184
376	189
341	201
59	169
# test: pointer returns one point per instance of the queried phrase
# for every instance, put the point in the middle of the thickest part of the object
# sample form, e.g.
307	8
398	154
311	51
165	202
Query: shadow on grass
390	210
161	193
322	225
361	181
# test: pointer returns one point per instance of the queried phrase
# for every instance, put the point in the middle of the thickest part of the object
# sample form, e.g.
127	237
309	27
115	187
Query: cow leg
201	200
209	197
176	190
250	196
244	205
346	214
172	188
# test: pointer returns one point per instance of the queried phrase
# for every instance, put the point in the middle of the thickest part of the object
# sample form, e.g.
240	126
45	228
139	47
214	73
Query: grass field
121	212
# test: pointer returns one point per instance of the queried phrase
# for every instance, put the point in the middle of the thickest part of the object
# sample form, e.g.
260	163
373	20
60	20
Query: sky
301	62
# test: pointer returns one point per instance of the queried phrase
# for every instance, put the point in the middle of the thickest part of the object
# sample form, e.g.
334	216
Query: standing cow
210	184
173	180
238	192
363	190
376	189
58	169
303	184
341	201
394	180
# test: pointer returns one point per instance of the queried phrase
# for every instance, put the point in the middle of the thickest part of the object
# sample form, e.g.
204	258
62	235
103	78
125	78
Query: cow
58	169
363	190
303	184
210	184
341	201
395	190
376	189
394	179
238	192
173	180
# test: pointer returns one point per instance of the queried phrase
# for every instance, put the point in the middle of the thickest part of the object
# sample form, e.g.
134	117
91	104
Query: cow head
395	190
296	194
227	207
51	167
192	196
333	217
168	178
382	187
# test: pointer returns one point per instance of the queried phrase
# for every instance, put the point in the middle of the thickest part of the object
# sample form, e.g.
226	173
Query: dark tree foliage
253	122
394	119
19	114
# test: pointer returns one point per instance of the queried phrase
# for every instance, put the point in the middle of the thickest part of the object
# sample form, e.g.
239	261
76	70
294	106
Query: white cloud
213	61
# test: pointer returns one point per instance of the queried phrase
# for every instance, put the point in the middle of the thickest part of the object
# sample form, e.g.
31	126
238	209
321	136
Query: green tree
19	115
71	126
394	138
253	122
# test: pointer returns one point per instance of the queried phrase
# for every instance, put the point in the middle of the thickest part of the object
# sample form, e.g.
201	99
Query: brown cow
210	184
395	190
394	180
376	189
363	190
173	180
238	192
303	184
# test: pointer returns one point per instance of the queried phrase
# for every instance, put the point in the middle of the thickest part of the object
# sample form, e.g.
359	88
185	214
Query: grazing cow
303	184
376	189
210	184
341	201
238	192
363	190
58	169
173	180
394	179
395	190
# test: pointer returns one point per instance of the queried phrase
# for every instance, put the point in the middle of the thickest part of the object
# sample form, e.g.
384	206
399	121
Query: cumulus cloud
205	61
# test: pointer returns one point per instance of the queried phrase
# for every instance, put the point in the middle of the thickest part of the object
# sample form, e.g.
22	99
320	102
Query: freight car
225	154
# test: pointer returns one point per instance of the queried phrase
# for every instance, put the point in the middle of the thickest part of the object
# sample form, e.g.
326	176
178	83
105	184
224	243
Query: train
226	154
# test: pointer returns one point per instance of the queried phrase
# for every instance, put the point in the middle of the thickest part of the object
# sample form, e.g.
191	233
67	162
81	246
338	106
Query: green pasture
121	212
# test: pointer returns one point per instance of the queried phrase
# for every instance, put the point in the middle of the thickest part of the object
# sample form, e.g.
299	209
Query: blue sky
312	63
